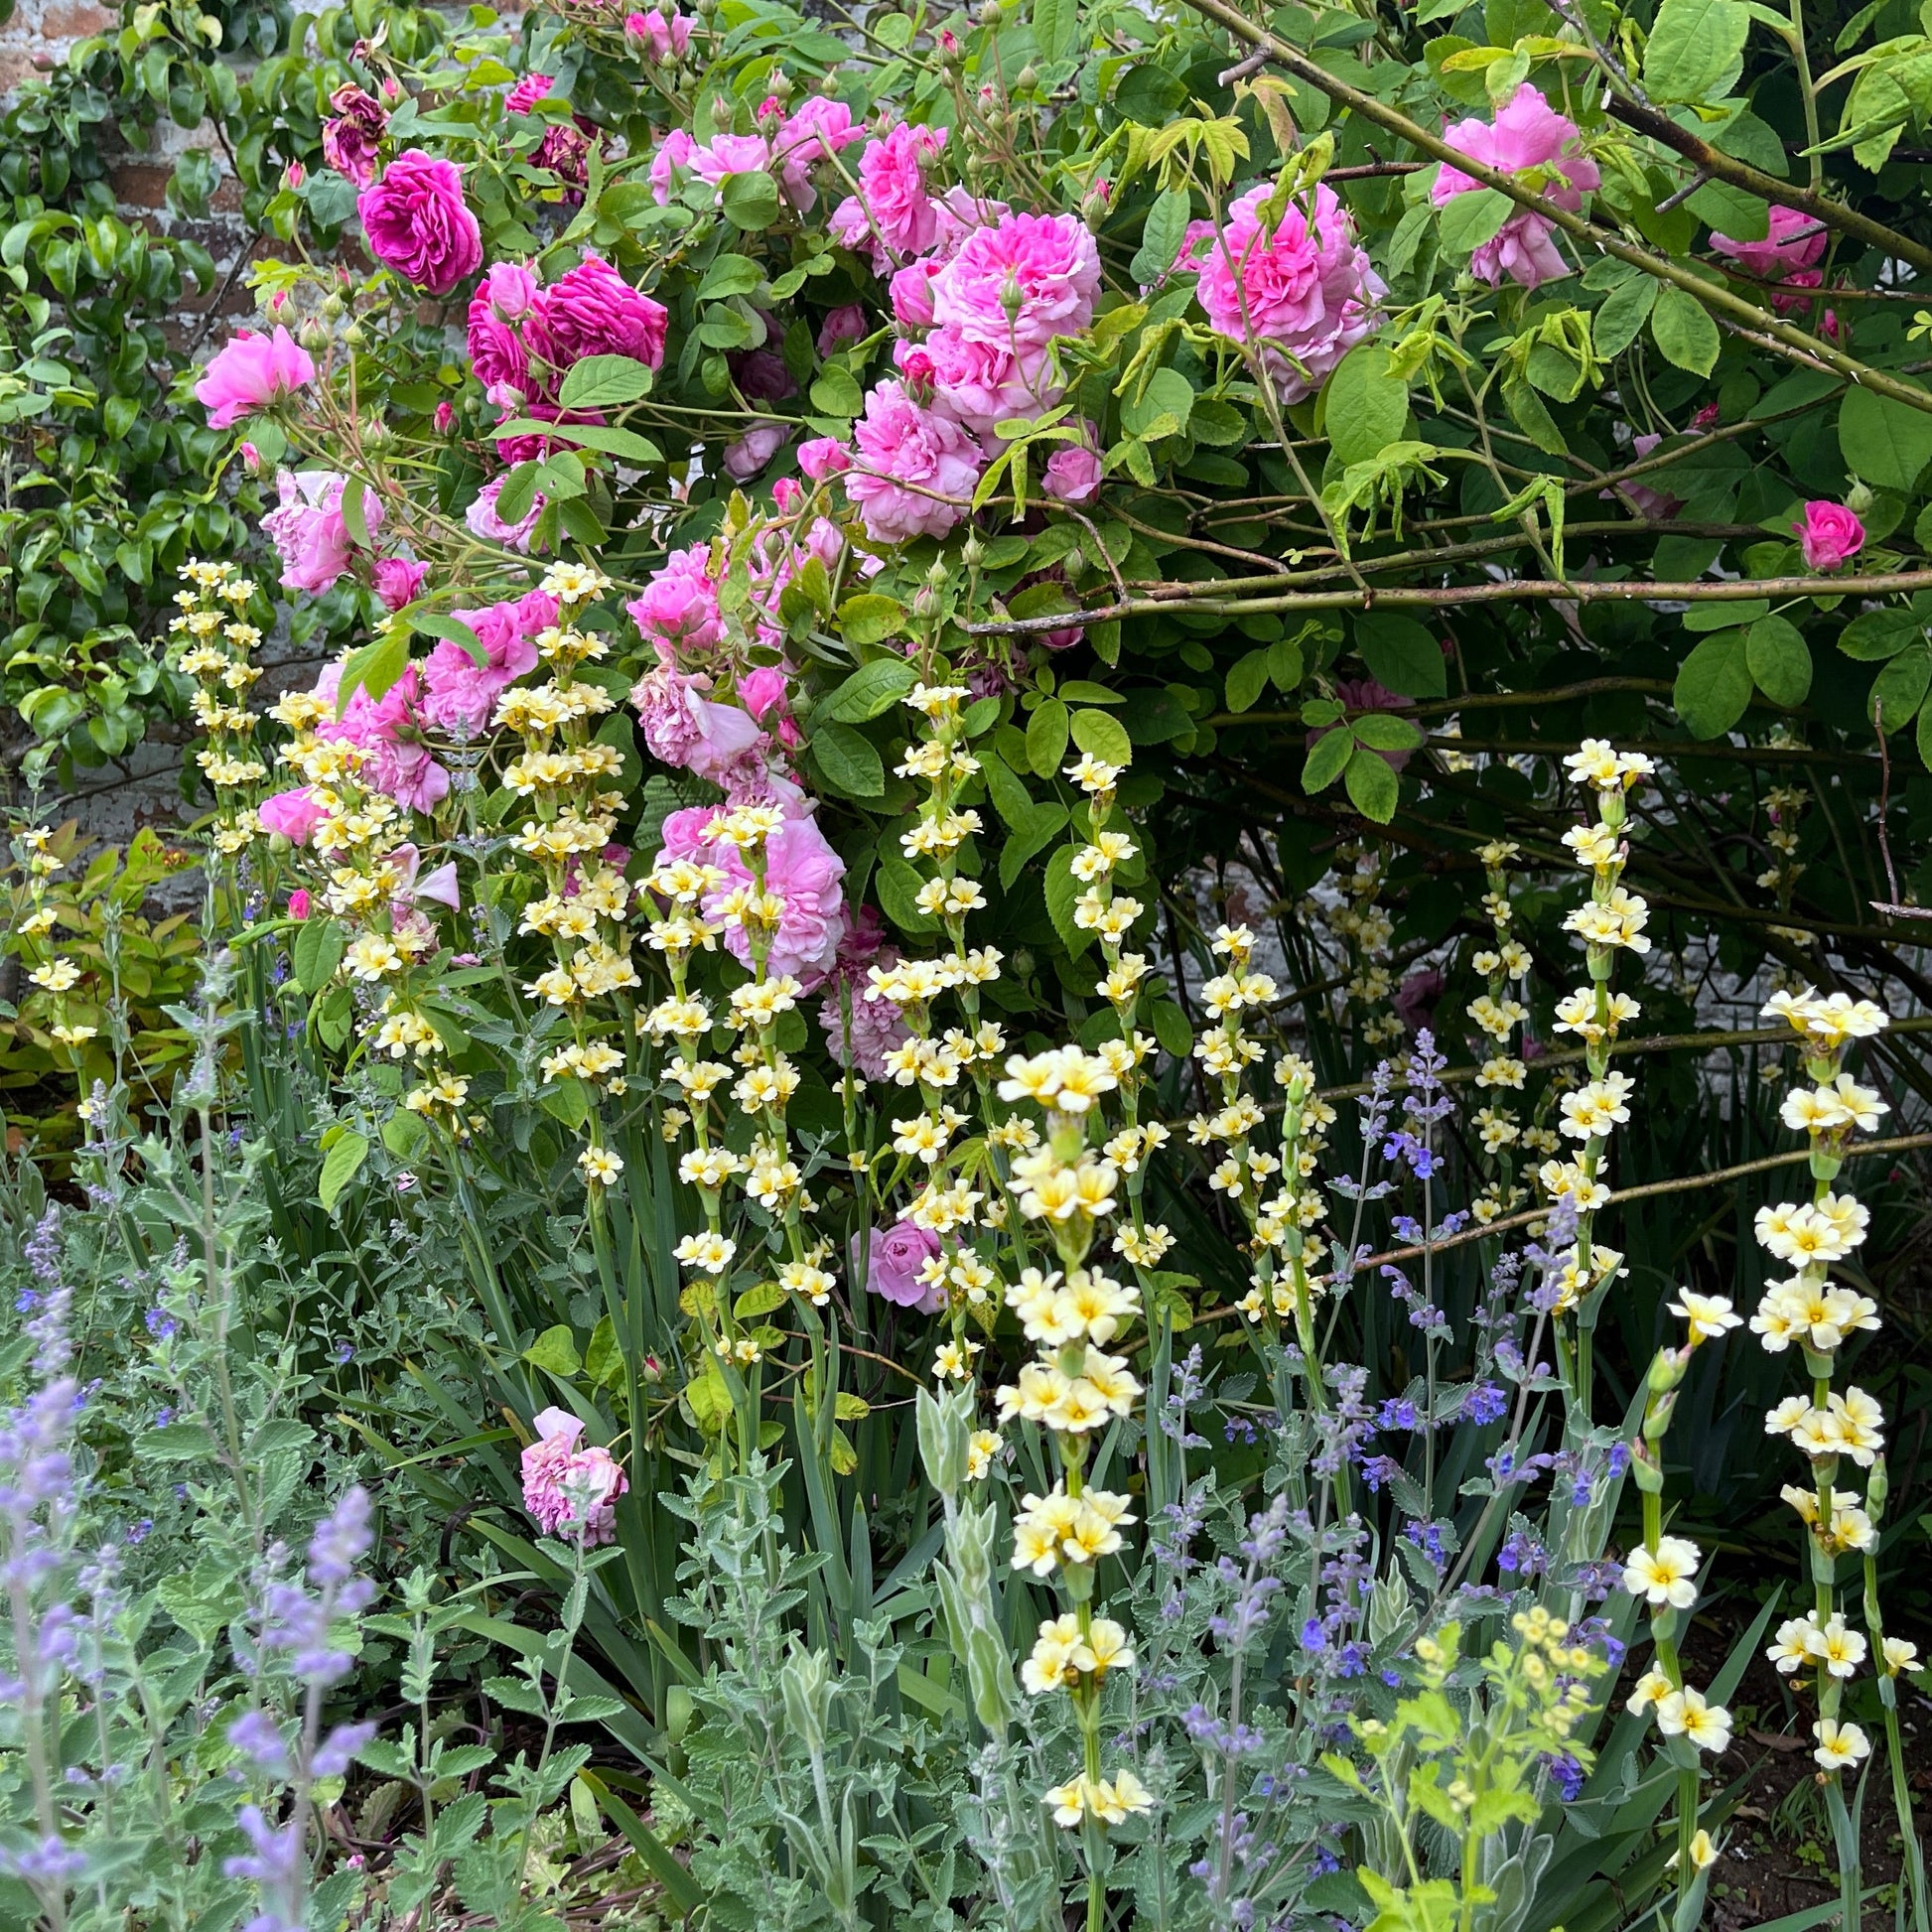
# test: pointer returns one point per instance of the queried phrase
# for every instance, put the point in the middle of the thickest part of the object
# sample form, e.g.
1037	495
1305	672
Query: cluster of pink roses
570	1490
1527	136
787	147
1788	257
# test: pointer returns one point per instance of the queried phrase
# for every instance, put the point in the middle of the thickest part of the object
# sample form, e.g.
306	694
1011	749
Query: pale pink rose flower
893	1262
1073	472
1307	291
679	606
822	457
688	731
308	528
910	290
294	815
483	519
1020	283
250	373
1527	133
763	690
458	694
977	383
903	452
1828	535
819	129
805	874
673	158
745	458
731	153
656	38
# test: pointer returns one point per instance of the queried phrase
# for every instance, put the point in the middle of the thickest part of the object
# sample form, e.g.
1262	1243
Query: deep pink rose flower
292	815
591	310
911	293
682	834
678	607
532	88
1073	472
1526	133
351	140
1828	535
822	457
904	452
483	519
891	217
308	529
1020	283
1796	240
506	295
656	38
1308	290
762	690
250	373
418	224
398	580
299	904
458	694
804	874
895	1256
389	731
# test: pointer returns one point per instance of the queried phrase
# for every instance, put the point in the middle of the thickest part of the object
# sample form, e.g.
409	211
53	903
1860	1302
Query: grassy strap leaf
680	1887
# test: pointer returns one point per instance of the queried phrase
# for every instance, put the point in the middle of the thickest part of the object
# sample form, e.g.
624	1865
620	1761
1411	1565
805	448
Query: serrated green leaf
1371	786
1714	685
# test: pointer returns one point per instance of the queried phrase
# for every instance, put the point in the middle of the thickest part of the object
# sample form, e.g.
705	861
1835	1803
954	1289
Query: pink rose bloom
1527	133
678	607
656	38
876	1025
250	373
483	519
765	689
566	1487
960	214
532	88
891	217
687	731
1196	244
804	874
911	293
417	222
1050	262
684	835
904	452
398	580
1073	474
894	1261
745	458
977	383
389	731
299	904
844	324
1706	418
460	694
1653	504
1828	535
437	886
349	141
822	457
251	458
308	529
496	351
294	815
591	310
675	154
1308	291
731	153
819	130
1796	240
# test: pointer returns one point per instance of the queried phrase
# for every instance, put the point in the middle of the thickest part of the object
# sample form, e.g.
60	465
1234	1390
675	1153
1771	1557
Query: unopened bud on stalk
972	552
375	432
1859	501
1646	1468
1028	78
937	574
312	332
924	604
991	13
1667	1370
779	87
1074	564
1656	1421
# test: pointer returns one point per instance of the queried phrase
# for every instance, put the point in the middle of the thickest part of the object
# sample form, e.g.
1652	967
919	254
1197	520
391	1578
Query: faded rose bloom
569	1489
1527	133
483	519
745	458
876	1025
844	324
1828	535
688	731
417	222
896	1255
350	141
309	531
250	373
